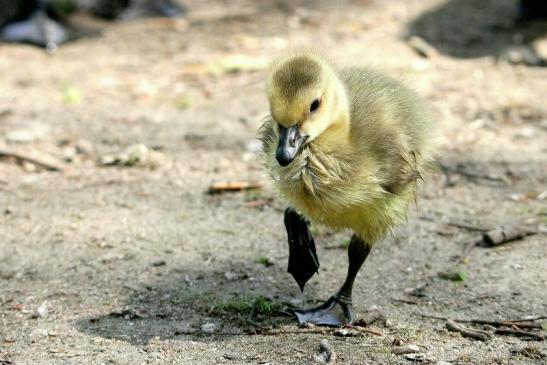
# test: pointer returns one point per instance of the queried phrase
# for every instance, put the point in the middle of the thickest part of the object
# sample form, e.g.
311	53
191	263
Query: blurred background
125	124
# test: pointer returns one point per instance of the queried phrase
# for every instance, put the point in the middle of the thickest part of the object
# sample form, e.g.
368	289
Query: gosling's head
305	98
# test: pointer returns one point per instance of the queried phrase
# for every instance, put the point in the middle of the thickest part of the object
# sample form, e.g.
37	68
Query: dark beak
290	141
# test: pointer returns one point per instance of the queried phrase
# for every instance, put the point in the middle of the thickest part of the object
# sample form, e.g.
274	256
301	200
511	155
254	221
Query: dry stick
508	323
221	187
529	319
367	330
502	323
518	333
275	332
472	175
19	156
501	235
466	332
467	226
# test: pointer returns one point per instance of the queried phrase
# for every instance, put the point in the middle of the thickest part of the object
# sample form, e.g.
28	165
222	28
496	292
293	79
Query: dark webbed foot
303	261
337	311
334	313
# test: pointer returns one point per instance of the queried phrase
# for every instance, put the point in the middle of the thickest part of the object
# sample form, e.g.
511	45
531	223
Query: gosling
345	148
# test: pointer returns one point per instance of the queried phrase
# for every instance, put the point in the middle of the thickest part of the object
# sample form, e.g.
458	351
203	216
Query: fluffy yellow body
360	171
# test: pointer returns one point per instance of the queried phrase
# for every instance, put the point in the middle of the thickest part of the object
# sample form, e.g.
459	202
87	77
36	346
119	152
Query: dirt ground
124	258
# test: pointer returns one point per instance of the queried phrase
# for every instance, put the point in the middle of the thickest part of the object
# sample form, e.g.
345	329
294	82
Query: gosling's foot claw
332	313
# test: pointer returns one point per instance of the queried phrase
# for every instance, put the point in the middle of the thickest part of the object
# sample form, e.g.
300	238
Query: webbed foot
303	261
335	312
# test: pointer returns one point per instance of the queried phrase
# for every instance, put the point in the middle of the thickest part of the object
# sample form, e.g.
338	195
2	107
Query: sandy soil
138	265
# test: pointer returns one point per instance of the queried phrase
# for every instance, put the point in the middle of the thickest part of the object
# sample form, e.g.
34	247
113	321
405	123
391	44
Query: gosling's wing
391	123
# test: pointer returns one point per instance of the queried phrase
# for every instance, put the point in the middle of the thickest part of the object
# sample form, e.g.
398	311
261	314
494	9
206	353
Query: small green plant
345	243
183	102
264	260
72	95
454	274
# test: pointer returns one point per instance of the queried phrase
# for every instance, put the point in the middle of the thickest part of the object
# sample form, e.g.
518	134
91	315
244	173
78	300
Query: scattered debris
418	292
371	317
127	314
405	349
421	47
158	263
209	327
346	332
509	327
467	226
30	133
453	274
368	330
522	322
23	157
462	170
223	187
264	260
415	357
405	301
230	276
519	333
42	311
135	155
508	233
466	332
530	352
258	203
524	55
326	353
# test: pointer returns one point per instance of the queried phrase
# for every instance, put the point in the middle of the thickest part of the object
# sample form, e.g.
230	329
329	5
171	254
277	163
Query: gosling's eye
315	105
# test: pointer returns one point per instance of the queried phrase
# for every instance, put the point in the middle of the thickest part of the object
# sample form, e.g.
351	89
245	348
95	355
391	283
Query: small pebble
42	311
415	357
406	349
230	275
346	332
208	327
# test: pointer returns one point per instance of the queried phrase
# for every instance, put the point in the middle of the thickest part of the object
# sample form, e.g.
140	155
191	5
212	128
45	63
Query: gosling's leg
303	261
337	310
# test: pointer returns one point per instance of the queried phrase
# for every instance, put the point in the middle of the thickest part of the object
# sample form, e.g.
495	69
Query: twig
503	323
433	317
405	301
5	152
529	319
501	235
519	333
466	332
368	330
506	323
222	187
276	332
467	226
460	170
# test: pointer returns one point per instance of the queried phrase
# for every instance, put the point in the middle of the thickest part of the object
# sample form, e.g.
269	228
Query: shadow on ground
471	29
182	301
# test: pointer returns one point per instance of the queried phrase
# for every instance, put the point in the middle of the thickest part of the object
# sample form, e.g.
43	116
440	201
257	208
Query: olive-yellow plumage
345	148
360	171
